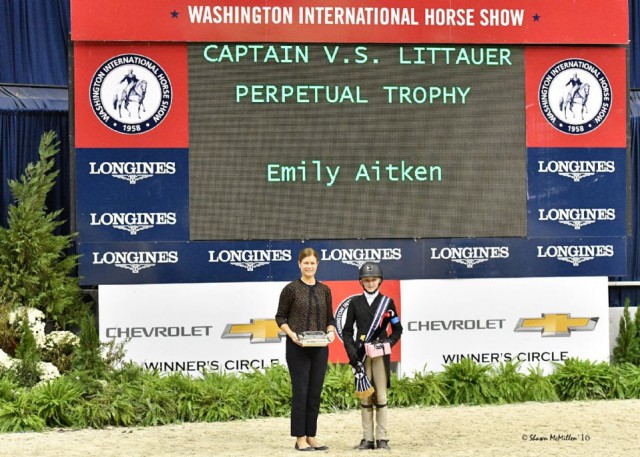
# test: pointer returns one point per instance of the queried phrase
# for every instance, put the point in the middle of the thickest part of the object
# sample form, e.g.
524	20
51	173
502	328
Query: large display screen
304	141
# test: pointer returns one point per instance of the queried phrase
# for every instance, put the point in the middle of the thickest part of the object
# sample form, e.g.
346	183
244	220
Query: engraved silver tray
311	339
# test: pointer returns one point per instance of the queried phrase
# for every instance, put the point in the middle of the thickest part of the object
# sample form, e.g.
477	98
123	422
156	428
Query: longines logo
576	169
357	257
577	218
135	261
575	255
470	256
133	222
130	94
556	324
575	96
132	172
250	259
258	331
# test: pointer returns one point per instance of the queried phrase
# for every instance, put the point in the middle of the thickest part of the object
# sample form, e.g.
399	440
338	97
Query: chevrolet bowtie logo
556	324
259	331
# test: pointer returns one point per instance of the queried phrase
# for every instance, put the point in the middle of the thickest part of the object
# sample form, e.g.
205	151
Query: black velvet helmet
371	270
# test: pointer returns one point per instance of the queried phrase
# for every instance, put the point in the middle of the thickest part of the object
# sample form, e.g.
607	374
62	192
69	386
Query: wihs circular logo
130	93
575	96
341	314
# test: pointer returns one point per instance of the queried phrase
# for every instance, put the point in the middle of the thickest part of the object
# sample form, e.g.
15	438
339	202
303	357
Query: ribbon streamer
363	386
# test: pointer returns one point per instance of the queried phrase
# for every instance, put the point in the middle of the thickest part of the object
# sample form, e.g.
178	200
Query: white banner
195	327
231	326
538	321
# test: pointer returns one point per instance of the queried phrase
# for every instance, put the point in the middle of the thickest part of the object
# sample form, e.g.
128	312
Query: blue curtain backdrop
22	123
34	38
34	42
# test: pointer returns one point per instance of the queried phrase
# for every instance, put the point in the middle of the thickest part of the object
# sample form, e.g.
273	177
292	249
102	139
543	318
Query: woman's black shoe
308	448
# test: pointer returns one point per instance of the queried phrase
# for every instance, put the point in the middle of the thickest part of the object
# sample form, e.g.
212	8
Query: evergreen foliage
627	348
26	370
34	268
87	358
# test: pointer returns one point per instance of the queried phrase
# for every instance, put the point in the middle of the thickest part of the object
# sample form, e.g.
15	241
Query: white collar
371	297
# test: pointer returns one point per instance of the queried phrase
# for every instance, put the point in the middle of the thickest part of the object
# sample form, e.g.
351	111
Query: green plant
8	386
56	401
187	393
87	356
509	383
627	349
221	398
577	379
34	266
26	367
156	403
468	382
629	376
538	386
431	387
20	415
266	391
338	391
424	388
402	392
110	406
280	385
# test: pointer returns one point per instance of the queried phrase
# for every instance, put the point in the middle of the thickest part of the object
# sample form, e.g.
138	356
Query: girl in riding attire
371	313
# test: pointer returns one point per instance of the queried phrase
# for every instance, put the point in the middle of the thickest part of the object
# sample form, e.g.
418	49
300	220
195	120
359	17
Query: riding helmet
371	270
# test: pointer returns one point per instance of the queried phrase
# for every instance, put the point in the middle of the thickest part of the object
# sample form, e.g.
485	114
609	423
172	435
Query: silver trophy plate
311	339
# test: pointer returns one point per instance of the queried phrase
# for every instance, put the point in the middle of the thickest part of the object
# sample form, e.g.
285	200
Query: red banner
341	21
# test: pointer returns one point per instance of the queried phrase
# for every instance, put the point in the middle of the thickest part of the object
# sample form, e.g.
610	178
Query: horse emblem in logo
131	94
575	96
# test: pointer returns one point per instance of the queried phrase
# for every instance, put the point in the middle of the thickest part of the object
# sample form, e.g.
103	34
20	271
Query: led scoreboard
356	141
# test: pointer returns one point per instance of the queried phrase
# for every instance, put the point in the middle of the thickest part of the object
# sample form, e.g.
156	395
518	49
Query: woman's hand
291	334
295	339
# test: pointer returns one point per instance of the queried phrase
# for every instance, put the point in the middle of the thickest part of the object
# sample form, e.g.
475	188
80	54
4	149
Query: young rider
371	313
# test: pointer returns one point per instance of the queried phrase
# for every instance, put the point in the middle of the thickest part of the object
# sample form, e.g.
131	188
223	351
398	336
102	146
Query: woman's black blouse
304	307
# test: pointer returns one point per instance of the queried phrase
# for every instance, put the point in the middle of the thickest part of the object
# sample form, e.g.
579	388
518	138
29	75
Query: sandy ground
599	428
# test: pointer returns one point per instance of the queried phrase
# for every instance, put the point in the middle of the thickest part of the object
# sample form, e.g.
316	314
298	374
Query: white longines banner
537	321
194	327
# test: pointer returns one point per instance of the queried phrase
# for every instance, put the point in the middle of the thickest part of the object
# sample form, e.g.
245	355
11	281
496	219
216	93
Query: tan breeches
377	374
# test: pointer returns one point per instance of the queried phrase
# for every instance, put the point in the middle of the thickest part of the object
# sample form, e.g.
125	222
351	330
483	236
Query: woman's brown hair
308	252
